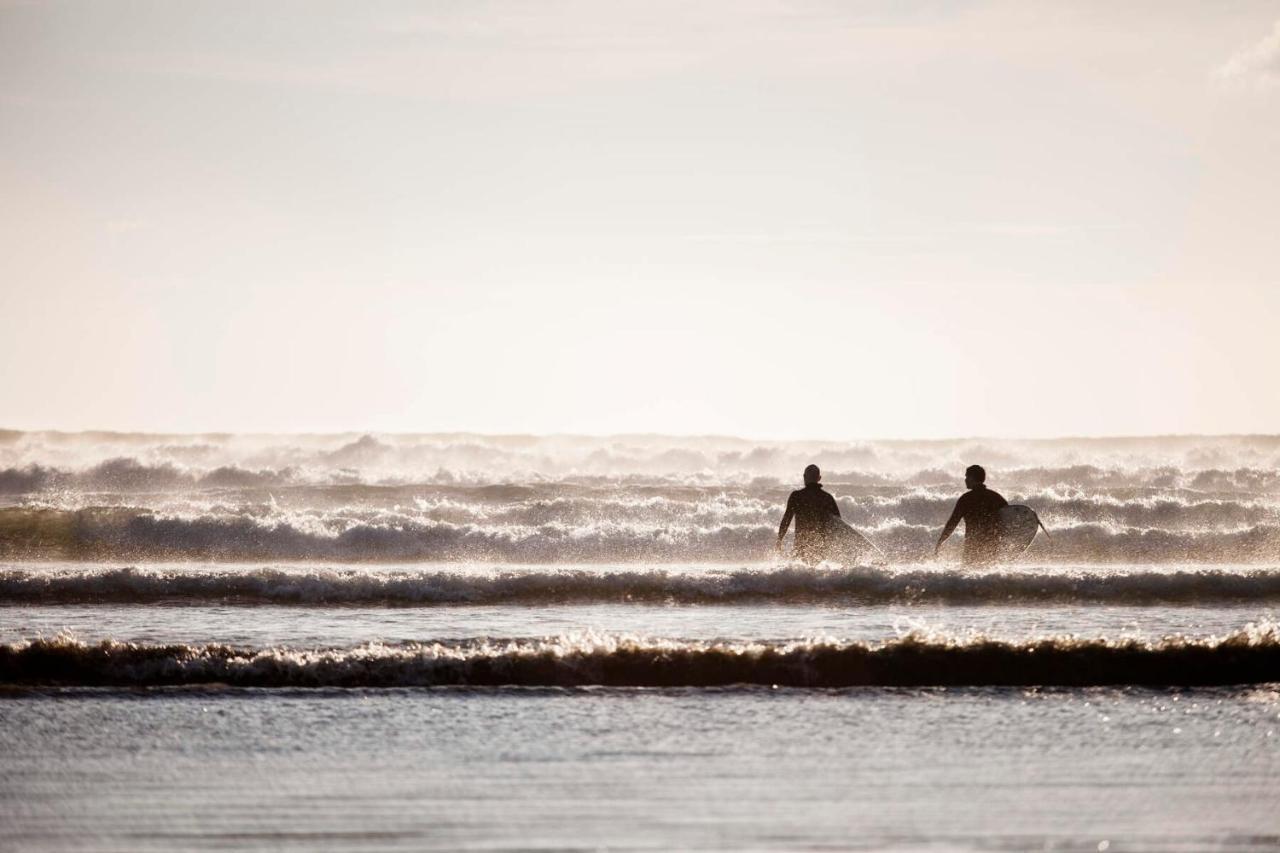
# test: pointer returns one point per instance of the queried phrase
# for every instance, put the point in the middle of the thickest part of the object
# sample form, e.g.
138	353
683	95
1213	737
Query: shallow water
352	625
637	769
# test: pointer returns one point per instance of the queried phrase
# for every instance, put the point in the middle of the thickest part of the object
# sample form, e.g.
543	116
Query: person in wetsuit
977	508
810	507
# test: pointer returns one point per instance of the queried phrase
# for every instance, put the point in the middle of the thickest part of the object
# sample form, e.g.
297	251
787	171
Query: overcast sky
830	220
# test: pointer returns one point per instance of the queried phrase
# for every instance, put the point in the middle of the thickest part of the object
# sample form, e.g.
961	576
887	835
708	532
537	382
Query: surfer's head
812	475
974	476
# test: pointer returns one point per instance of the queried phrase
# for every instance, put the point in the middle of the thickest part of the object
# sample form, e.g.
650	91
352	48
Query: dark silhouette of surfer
977	508
810	507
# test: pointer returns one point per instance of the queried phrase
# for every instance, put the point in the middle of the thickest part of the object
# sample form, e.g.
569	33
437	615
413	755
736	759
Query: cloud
1256	65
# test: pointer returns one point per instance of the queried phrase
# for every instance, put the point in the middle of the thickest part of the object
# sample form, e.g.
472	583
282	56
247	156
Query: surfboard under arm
1018	528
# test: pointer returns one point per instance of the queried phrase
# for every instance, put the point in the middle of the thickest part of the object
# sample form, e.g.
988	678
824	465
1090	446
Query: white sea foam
563	585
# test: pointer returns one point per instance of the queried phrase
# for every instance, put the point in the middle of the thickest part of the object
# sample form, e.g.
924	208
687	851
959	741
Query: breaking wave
1244	657
127	534
789	584
129	475
538	531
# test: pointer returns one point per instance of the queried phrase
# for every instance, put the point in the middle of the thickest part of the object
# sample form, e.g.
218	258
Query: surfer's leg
807	551
979	553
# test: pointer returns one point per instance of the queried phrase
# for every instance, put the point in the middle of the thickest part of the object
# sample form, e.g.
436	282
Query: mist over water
565	499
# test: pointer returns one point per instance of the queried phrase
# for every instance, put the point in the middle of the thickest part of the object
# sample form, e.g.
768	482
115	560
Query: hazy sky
759	218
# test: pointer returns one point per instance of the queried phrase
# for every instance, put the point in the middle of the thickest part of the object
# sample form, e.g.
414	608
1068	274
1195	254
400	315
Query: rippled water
1006	769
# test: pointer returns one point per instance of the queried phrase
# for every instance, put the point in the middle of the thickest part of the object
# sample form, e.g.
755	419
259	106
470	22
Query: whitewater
595	632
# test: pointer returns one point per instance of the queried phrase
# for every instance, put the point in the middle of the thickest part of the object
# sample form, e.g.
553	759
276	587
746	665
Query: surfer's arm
951	525
786	519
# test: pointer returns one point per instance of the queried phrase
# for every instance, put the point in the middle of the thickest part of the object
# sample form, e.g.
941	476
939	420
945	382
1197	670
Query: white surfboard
1018	527
848	546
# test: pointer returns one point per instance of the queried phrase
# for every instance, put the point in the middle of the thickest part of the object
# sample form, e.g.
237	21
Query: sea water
409	642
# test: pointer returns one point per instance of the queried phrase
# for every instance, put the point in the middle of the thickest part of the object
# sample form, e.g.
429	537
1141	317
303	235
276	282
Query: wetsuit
977	508
810	507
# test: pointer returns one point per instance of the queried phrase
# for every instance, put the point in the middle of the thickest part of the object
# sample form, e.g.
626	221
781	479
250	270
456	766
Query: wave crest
242	533
1245	657
581	586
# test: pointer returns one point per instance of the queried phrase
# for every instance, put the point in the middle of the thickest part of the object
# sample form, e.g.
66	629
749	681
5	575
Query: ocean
405	642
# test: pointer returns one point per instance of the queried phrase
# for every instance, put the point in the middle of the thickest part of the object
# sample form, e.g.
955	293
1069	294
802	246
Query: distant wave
130	475
578	586
1245	657
127	474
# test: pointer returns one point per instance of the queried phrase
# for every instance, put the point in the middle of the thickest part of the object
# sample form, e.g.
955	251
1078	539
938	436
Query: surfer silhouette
977	509
810	507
